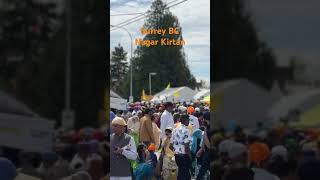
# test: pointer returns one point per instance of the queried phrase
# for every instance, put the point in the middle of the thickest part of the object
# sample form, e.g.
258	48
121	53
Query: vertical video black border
211	61
212	34
107	38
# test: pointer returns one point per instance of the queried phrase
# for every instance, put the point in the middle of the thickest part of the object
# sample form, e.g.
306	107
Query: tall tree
118	66
238	52
169	62
88	67
298	67
25	29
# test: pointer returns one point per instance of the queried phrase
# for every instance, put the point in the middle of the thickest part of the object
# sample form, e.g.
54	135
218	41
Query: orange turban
190	110
152	147
258	152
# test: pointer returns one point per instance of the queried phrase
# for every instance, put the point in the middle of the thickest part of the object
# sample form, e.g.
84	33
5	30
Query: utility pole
68	113
150	74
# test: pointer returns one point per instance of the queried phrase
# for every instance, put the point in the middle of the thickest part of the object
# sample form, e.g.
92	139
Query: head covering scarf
152	147
258	152
224	146
236	149
291	145
143	171
197	134
190	110
112	116
98	135
280	151
216	138
7	169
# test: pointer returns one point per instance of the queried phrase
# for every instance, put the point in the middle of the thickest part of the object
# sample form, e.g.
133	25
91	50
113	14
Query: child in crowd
144	168
153	156
169	165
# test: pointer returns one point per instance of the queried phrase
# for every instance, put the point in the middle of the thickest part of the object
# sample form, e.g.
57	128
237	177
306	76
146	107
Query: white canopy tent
201	94
178	94
301	102
9	104
24	128
117	102
242	103
276	91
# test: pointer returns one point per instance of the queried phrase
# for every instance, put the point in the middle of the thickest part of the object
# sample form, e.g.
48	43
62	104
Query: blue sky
194	18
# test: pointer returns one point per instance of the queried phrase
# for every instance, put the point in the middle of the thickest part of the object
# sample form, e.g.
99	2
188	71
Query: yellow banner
216	101
176	94
168	86
145	97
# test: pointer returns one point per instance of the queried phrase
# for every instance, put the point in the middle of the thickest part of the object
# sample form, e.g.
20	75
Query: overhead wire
137	18
125	14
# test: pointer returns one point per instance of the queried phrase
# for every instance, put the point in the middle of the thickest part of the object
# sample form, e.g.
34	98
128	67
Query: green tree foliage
88	61
169	62
237	50
25	28
118	66
44	90
298	67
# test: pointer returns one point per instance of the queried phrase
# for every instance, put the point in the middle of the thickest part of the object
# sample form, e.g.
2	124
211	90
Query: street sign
68	117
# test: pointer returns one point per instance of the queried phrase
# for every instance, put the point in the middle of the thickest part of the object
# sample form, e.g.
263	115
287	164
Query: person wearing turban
7	170
259	154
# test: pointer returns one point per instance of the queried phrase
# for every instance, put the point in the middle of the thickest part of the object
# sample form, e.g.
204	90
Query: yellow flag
176	94
217	101
206	99
168	86
143	97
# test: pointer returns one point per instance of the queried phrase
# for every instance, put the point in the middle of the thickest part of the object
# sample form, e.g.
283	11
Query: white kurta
166	120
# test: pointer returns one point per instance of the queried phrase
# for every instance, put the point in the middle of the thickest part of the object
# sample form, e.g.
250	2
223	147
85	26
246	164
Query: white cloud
194	18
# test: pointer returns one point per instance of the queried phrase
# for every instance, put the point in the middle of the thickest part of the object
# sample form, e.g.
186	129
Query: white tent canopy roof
299	101
117	102
185	94
242	102
201	94
276	91
8	104
114	95
17	121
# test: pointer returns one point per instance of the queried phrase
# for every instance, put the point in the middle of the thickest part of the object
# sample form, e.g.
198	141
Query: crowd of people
160	141
277	153
76	155
170	141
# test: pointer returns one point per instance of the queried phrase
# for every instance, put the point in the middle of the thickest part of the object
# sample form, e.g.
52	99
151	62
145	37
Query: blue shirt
112	116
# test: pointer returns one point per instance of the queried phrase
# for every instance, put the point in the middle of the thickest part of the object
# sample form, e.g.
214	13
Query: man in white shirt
123	148
181	140
166	119
194	121
134	122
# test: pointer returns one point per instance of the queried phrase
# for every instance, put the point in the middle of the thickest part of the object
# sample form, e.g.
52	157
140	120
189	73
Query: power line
121	24
131	19
134	19
125	14
116	27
